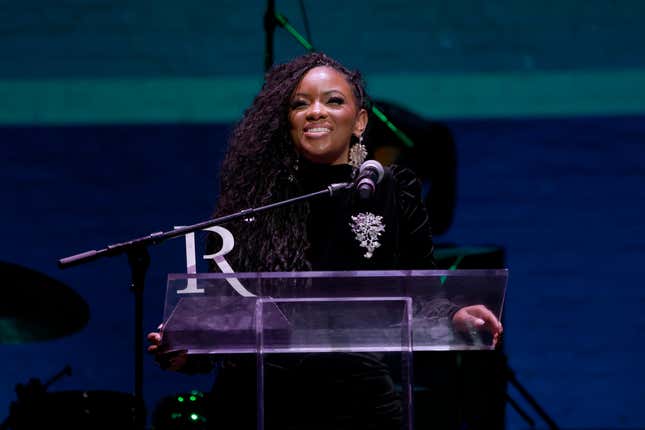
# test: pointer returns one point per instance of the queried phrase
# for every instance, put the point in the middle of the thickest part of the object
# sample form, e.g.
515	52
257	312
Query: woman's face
324	115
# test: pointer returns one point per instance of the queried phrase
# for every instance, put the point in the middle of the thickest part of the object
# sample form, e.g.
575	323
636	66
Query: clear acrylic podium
328	312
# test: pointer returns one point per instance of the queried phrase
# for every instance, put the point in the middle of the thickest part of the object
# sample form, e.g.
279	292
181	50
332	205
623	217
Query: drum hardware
36	408
28	394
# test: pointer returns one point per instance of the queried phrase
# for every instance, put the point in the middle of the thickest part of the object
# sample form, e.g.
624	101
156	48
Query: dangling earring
357	153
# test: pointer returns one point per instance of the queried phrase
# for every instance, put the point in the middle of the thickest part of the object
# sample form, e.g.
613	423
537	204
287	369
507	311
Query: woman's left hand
477	318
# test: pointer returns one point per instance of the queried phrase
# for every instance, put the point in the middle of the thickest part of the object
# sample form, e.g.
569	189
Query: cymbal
35	307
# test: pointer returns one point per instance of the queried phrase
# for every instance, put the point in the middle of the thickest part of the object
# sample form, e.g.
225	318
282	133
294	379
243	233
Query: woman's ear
361	123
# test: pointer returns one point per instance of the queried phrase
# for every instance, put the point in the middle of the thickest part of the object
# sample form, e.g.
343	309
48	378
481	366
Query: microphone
369	174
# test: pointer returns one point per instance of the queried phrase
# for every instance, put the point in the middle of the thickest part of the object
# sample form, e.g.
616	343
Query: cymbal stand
29	392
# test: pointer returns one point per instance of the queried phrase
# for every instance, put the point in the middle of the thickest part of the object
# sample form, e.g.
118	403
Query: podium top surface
475	273
223	313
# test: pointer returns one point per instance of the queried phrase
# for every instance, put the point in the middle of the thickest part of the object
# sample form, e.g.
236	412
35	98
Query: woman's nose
316	110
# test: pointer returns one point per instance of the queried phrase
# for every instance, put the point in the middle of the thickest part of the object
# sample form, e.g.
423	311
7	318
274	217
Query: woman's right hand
175	360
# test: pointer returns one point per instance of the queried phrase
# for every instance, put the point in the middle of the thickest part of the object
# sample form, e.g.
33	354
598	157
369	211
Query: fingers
497	337
476	318
155	340
476	322
166	360
484	318
154	337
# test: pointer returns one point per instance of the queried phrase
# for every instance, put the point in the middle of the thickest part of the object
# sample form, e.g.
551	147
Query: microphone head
370	173
373	165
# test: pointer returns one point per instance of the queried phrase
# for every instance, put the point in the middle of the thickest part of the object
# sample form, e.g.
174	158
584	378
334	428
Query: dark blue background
565	197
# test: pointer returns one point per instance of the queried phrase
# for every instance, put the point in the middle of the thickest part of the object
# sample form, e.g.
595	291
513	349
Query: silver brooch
367	227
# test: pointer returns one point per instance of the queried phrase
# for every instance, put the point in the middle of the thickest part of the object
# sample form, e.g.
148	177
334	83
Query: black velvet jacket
406	242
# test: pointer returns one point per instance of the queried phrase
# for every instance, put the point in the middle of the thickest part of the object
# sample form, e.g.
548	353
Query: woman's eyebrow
324	93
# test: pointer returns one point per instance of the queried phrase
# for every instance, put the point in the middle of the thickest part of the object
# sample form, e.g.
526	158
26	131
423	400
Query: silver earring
357	153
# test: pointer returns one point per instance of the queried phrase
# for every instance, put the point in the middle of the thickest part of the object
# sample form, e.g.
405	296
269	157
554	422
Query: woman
303	132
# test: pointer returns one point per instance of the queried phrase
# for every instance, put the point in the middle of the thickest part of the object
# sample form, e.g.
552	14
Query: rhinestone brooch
367	227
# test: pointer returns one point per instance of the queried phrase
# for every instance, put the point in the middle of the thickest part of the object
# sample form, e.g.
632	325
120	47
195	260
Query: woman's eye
336	101
298	104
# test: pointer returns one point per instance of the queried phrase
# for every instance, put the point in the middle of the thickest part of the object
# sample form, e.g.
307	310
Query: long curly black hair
259	169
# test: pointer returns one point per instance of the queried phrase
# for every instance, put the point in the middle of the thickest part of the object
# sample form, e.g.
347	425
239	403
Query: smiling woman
295	139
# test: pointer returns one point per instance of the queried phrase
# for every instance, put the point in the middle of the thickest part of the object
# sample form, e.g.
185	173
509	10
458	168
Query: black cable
269	28
510	376
305	21
520	411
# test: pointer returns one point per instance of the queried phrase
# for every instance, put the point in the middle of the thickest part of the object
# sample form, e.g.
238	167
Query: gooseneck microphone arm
158	237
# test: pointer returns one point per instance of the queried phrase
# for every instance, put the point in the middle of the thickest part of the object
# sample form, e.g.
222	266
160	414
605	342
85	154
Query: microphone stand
139	261
269	29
